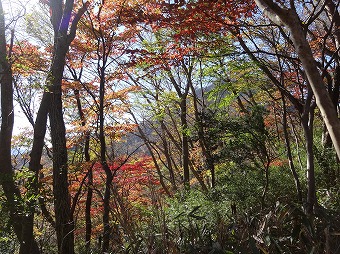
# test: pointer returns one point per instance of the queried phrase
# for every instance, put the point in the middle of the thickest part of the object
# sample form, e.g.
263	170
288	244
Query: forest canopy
156	126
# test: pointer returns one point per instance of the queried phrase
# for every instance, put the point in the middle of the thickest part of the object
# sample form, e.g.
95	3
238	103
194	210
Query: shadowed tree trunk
62	202
206	151
289	151
109	175
307	120
51	104
182	93
88	222
185	143
22	224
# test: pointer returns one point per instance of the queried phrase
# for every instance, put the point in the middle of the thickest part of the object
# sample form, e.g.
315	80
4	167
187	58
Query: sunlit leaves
27	59
134	181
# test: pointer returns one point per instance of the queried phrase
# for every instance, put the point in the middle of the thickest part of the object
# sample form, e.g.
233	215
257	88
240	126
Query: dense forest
170	126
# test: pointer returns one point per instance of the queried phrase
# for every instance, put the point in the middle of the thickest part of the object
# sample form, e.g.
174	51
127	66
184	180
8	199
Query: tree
151	97
288	16
22	225
64	32
102	50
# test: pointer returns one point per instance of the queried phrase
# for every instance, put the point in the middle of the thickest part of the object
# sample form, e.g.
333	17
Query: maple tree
103	50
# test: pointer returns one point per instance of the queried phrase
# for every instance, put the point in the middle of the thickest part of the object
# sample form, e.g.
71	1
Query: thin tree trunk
307	119
22	225
185	143
106	168
198	177
184	122
88	221
154	159
167	155
289	152
266	185
209	160
88	203
106	207
323	157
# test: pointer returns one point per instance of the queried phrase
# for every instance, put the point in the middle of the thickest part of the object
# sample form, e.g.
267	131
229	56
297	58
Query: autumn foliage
170	126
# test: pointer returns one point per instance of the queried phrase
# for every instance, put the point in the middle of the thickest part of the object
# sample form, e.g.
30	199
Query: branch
75	22
271	10
76	196
46	213
264	68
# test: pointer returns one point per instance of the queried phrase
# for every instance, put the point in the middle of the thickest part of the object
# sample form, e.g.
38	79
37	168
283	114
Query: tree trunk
184	122
64	33
307	120
88	203
266	185
185	143
106	207
152	153
106	168
206	151
62	202
167	155
311	195
22	224
88	222
289	152
89	195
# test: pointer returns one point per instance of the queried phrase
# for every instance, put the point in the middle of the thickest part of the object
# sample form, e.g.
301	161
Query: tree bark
167	155
64	33
88	222
109	175
62	202
206	151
